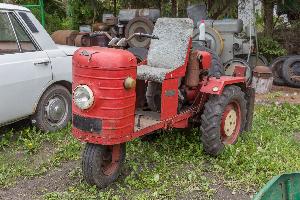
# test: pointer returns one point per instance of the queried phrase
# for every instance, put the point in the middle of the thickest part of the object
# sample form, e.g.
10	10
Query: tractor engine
104	96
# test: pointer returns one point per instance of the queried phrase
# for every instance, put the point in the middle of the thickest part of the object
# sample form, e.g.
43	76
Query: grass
24	156
274	95
174	166
266	151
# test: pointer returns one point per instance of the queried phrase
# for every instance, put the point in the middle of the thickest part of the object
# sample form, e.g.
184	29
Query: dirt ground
279	95
56	180
59	180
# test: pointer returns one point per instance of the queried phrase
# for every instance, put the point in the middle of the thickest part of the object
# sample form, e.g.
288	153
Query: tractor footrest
144	119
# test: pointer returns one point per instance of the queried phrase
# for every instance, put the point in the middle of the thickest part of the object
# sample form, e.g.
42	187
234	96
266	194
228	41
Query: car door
25	69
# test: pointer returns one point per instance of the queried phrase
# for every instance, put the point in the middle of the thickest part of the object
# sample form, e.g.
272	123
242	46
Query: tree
268	14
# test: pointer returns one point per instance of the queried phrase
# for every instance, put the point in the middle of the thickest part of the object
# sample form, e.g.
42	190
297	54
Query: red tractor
116	100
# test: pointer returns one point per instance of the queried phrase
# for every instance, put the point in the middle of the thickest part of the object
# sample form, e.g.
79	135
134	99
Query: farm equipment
284	187
128	22
286	70
234	44
116	100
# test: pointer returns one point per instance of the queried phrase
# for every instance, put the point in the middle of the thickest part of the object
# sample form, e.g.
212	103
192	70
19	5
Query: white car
35	73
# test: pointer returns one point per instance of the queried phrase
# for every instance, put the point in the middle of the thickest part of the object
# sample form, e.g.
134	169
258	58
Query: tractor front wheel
223	119
101	165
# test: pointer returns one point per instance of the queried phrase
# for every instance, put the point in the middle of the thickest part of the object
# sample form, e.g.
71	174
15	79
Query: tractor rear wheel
223	119
101	165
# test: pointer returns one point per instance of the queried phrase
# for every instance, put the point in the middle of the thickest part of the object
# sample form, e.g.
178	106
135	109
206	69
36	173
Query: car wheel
54	109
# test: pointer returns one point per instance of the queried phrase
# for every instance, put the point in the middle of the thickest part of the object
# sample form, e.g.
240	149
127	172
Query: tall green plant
270	48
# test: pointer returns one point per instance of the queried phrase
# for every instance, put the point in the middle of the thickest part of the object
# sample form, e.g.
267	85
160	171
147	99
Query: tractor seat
170	51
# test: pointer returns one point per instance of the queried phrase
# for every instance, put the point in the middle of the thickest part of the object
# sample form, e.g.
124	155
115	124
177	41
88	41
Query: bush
270	48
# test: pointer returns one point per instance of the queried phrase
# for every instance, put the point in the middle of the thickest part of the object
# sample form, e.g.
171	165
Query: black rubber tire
40	120
92	162
276	67
286	68
212	115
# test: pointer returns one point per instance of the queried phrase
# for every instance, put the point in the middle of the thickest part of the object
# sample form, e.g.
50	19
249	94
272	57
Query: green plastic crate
284	187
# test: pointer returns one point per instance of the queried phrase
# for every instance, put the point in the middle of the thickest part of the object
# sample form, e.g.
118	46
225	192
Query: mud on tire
212	119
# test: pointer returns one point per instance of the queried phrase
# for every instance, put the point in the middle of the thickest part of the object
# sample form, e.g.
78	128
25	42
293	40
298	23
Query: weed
173	166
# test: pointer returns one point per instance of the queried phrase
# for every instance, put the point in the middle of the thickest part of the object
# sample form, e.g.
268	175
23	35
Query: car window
24	40
8	40
29	23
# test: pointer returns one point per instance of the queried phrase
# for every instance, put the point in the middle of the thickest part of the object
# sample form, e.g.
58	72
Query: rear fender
213	85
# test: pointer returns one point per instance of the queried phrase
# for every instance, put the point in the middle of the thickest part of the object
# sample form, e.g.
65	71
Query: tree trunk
174	8
115	7
268	7
209	4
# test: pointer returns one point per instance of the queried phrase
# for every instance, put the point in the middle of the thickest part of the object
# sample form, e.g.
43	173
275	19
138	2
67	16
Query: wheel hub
230	122
55	109
111	159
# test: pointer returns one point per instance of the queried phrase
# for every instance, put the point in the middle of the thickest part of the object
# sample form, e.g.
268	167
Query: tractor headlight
83	97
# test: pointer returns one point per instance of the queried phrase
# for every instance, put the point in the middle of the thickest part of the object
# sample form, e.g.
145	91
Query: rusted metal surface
193	70
144	119
78	40
64	37
100	41
100	27
262	72
239	71
139	25
262	79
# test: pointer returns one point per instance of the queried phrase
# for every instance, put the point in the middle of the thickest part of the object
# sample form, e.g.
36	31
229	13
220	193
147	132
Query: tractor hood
69	50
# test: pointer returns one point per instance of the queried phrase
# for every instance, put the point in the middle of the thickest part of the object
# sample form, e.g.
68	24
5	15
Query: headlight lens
83	97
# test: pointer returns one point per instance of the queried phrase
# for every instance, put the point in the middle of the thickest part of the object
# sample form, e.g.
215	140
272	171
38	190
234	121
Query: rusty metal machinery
132	21
128	22
65	37
227	38
139	25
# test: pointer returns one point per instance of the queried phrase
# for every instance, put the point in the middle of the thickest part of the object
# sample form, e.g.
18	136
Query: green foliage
269	150
24	153
270	48
173	166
